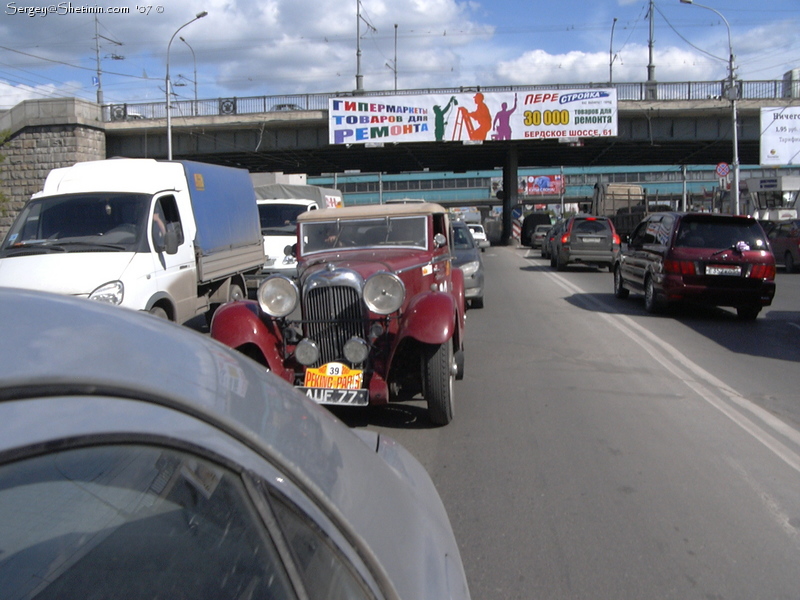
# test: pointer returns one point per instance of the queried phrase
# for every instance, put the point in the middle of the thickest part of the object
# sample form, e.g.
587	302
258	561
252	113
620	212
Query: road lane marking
703	382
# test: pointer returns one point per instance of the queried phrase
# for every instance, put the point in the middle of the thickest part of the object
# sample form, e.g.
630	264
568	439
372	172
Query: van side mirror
290	250
172	238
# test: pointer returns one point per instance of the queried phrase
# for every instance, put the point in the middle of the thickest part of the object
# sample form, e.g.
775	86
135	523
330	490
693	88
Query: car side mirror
439	240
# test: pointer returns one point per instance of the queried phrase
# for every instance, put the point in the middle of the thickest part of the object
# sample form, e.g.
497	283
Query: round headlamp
278	295
384	293
306	352
356	350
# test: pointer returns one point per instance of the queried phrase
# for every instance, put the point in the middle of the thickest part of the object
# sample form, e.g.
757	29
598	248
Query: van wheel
438	379
235	293
159	312
620	291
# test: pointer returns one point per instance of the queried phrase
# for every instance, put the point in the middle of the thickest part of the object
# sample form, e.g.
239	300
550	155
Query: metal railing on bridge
643	91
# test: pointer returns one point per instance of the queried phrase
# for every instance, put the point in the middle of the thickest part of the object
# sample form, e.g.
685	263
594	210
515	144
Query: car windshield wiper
740	246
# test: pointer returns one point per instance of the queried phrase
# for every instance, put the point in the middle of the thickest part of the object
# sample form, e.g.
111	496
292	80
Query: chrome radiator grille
332	315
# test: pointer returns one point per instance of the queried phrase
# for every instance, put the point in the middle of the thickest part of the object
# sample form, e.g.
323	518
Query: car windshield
81	220
279	219
408	232
720	234
462	238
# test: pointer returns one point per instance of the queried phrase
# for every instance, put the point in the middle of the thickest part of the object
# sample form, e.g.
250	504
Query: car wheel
650	301
159	312
788	263
552	260
560	264
620	291
476	302
438	378
748	313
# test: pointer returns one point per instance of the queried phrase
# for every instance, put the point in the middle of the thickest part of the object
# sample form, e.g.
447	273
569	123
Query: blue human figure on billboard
502	121
440	114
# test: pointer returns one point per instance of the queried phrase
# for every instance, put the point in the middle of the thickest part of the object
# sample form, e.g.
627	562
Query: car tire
748	313
159	312
788	263
651	303
438	379
560	264
620	291
476	302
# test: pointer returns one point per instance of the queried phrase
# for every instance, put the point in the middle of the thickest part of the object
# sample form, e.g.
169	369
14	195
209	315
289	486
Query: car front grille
332	315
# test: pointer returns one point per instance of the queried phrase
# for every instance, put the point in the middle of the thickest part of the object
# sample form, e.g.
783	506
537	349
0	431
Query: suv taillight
615	240
763	272
679	267
565	238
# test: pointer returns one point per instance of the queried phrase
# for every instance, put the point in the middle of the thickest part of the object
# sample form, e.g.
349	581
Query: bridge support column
45	134
510	199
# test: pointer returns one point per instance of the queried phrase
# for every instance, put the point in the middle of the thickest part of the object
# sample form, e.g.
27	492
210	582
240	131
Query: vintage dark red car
376	313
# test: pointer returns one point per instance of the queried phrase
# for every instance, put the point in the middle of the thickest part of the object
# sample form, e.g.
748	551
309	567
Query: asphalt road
601	452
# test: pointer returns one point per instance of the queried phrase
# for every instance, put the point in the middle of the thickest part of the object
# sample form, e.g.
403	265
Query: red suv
711	259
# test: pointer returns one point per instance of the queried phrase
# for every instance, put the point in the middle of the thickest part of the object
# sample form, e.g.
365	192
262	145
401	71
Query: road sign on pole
723	169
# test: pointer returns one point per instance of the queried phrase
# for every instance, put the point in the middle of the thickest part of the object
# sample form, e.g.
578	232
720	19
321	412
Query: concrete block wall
45	134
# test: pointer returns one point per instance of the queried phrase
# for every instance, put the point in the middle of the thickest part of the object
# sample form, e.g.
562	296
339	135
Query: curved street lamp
194	81
199	15
611	56
733	94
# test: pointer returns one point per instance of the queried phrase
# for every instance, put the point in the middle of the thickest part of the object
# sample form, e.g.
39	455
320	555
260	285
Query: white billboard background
780	136
474	117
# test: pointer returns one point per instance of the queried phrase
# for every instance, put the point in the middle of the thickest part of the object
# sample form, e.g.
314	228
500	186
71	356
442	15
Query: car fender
242	323
430	318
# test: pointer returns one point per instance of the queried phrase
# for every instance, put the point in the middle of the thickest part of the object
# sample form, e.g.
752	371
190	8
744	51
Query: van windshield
279	219
80	223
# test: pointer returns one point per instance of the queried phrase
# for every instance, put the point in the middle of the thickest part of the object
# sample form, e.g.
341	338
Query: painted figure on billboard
478	122
440	115
501	121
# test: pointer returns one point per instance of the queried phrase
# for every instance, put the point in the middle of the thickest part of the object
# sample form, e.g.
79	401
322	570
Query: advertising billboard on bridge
780	136
474	117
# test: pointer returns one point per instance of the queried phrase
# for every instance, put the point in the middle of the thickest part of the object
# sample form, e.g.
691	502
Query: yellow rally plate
334	376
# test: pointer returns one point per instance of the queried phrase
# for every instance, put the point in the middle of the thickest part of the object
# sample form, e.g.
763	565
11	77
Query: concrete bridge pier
510	187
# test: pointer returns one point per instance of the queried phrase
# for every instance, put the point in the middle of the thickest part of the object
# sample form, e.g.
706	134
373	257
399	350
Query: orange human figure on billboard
479	121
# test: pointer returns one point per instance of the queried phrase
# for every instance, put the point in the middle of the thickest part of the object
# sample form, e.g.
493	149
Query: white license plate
339	397
729	270
591	240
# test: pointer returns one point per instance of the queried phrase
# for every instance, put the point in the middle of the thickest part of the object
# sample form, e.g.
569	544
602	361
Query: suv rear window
701	233
591	226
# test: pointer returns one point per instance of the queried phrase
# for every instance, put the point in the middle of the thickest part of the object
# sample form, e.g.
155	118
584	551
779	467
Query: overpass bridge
658	123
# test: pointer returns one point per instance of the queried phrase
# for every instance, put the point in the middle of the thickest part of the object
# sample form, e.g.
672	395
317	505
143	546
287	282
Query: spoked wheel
438	379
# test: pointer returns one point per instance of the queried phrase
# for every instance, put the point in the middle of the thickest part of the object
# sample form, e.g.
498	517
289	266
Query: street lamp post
194	59
733	94
199	15
610	53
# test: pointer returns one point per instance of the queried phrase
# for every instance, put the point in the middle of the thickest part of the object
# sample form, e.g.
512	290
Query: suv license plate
591	240
730	270
334	396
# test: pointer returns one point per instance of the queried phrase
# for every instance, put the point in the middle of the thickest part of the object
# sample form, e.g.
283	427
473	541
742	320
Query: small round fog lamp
306	352
277	296
356	350
384	293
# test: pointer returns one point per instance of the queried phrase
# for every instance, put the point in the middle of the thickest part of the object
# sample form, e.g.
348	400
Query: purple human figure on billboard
502	119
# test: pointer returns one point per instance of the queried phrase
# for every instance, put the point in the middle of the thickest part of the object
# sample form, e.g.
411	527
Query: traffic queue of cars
688	258
150	460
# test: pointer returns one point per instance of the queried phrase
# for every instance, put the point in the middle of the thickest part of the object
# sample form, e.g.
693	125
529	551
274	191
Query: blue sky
252	48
